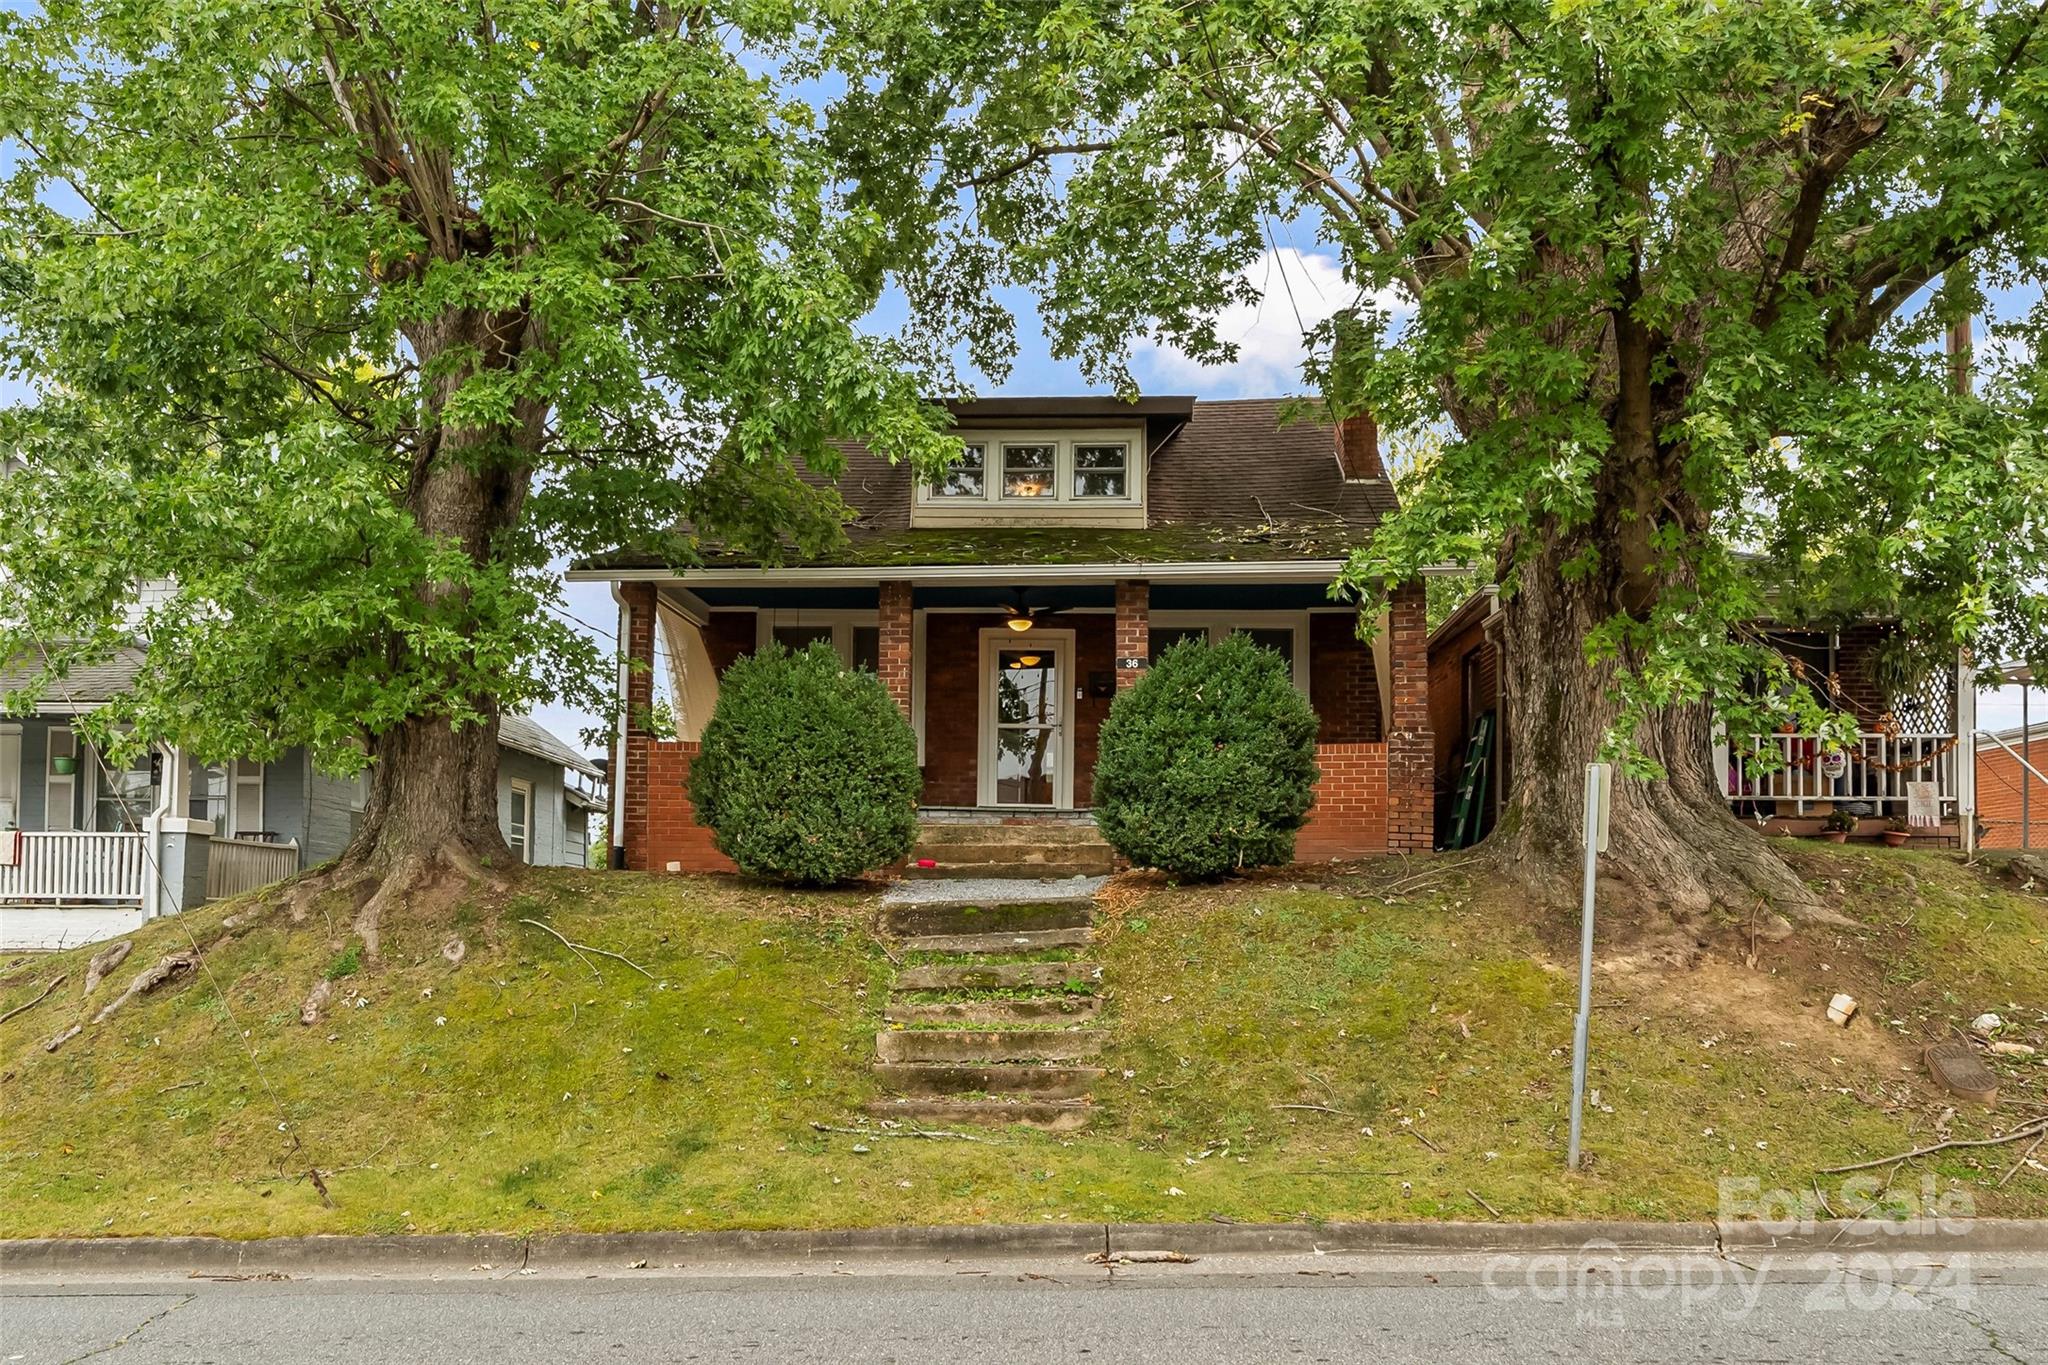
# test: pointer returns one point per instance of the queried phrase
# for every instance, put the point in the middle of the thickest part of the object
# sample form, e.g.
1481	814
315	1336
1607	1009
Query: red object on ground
927	862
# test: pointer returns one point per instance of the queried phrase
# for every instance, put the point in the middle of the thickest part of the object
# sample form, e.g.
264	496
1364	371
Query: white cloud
1297	290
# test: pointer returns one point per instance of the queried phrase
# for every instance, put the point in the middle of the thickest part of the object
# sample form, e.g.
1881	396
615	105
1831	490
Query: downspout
615	799
153	839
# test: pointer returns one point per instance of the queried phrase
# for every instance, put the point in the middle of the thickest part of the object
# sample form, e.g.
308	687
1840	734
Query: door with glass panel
1027	753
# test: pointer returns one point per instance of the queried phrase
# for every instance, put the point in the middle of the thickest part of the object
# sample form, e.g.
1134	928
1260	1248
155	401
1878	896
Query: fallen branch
1314	1109
2025	1130
2025	1157
581	948
904	1133
1483	1204
1416	1133
24	1009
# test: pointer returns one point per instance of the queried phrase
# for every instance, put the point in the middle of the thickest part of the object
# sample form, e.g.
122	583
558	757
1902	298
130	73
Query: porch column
1411	778
893	654
629	785
1133	630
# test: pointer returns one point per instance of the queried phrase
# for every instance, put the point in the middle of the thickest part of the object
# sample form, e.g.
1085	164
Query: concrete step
1023	834
1059	868
996	976
1059	1116
1027	941
1052	1010
987	1046
943	1078
913	919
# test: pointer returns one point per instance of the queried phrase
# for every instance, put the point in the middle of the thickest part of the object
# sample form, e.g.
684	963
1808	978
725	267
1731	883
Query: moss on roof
1170	544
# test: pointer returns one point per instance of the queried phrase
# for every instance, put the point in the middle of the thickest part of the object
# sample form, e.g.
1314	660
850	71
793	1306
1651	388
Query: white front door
1027	739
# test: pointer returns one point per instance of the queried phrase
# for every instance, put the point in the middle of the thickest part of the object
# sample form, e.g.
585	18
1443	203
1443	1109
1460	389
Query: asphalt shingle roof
1232	481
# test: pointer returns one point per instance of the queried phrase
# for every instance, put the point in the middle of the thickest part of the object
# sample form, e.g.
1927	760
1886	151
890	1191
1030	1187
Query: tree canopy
344	320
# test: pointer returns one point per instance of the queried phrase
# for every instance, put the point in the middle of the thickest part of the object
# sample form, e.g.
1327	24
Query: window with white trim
10	776
855	636
966	477
245	815
60	789
1101	469
1285	633
519	821
1053	474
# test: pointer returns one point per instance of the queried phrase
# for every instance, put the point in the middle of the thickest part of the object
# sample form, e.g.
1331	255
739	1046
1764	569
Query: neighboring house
1909	734
1005	606
90	850
2012	787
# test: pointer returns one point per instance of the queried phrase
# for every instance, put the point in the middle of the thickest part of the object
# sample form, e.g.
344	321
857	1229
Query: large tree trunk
432	816
1675	849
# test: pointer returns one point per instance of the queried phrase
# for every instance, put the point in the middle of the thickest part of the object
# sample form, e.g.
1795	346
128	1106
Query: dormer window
1028	470
1101	469
1080	476
965	479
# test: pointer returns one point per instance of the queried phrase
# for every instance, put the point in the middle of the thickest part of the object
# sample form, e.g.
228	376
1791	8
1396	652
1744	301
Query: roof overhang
1210	571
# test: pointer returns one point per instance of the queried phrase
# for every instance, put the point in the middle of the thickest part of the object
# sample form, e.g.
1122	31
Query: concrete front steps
1021	849
970	1041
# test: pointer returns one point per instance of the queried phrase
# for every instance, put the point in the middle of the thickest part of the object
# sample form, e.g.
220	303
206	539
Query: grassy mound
1429	1029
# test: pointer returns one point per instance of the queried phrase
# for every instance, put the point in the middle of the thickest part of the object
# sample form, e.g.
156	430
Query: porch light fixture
1019	622
1027	661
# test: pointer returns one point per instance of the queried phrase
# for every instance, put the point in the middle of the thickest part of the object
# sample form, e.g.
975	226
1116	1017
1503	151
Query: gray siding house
89	849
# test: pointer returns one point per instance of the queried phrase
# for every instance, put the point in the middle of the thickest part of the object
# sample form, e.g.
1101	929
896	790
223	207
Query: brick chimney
1358	448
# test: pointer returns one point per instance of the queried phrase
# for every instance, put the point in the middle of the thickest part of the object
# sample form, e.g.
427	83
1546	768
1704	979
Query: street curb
342	1255
1986	1235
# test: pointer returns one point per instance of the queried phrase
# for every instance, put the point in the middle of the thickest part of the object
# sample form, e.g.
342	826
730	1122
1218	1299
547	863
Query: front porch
91	849
1006	676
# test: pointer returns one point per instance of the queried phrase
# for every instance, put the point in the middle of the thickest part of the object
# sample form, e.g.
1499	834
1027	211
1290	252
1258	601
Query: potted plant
1837	828
64	765
1897	833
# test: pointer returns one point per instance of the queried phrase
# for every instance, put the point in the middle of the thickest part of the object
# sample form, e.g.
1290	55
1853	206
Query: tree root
316	1000
166	968
104	961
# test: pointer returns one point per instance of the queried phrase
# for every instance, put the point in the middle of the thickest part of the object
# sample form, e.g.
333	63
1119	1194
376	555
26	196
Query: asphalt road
1507	1311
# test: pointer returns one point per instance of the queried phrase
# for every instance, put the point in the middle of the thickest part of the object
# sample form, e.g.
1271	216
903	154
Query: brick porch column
632	790
1411	775
1133	628
893	663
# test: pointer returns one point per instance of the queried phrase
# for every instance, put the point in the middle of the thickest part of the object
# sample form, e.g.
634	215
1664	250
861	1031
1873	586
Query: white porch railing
1876	769
82	868
237	865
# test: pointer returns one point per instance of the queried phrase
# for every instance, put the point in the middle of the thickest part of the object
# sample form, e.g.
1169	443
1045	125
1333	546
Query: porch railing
76	867
1876	769
237	865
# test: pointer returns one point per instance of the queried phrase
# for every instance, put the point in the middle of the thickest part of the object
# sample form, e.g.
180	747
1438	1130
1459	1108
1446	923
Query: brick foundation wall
1343	685
1349	818
671	832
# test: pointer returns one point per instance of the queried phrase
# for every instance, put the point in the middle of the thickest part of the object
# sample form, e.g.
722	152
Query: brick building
1005	606
2012	802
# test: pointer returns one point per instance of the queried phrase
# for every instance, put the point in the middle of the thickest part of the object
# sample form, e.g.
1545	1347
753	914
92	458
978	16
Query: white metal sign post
1599	790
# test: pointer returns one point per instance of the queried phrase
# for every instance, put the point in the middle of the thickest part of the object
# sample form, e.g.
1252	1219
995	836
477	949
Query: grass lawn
516	1092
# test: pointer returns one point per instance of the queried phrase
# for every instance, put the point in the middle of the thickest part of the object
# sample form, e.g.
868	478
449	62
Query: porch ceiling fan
1021	616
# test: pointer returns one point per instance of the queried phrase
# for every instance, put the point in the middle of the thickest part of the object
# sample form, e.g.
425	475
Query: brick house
1915	731
1005	606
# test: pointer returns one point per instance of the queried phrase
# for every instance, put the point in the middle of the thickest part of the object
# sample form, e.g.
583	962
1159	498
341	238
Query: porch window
10	776
796	639
60	789
1028	470
124	797
210	795
1288	640
867	648
964	479
1100	471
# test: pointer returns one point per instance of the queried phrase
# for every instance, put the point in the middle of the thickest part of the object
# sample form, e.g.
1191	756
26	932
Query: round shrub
807	772
1208	763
